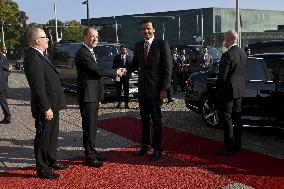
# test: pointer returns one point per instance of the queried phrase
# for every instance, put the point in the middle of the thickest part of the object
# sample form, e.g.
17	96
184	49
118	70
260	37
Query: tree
50	30
73	31
14	25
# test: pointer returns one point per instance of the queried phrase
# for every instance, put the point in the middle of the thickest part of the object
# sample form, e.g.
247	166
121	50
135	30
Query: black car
62	56
262	104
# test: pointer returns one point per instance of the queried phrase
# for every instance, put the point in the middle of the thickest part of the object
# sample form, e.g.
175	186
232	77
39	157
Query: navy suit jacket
154	72
231	77
44	81
90	86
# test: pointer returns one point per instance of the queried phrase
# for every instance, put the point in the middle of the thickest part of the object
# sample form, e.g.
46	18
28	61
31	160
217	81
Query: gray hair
32	34
233	35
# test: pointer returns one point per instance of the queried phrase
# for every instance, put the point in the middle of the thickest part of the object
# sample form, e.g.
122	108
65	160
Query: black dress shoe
59	166
47	174
170	100
99	156
5	121
155	156
141	152
126	106
94	163
225	151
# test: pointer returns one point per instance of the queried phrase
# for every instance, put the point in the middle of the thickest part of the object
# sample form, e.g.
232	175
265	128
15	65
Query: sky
41	11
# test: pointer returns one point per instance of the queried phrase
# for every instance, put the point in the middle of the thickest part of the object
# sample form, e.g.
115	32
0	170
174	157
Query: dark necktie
122	61
146	47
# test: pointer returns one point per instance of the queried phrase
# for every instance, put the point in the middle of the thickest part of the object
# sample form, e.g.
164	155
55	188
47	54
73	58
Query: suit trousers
46	140
124	81
151	108
230	119
4	104
89	113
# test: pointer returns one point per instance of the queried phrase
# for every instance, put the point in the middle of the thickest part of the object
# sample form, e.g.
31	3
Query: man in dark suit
152	57
90	93
122	60
47	98
230	90
4	72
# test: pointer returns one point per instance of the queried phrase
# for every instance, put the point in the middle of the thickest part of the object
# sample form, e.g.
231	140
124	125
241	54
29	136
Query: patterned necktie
146	48
94	55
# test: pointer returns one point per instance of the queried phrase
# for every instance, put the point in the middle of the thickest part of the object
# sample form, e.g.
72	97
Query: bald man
230	90
47	98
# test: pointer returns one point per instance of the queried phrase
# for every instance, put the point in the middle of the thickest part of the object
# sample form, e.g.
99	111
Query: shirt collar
232	45
150	40
40	51
91	49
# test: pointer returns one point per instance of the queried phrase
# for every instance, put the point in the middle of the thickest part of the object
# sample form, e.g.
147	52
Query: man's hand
163	95
120	72
48	115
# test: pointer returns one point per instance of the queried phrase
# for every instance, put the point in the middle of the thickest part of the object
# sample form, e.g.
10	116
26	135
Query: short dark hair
147	21
123	46
86	30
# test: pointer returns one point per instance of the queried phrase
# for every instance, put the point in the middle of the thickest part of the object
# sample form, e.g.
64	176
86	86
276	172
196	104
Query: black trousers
89	113
230	114
46	140
151	108
124	81
4	104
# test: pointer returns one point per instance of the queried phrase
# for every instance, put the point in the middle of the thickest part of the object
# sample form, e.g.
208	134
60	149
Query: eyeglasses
43	37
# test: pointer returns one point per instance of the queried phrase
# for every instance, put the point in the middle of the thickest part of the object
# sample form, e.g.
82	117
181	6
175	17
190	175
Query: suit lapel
88	52
48	62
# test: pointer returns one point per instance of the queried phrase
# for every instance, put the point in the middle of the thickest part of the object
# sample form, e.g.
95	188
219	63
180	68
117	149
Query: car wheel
209	112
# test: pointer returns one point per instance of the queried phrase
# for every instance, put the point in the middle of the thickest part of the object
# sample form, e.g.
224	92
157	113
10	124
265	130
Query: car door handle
265	92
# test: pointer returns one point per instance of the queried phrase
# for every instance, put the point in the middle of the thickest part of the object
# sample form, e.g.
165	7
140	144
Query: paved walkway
16	141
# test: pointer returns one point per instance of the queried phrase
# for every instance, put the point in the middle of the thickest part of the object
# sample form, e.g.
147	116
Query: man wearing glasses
47	98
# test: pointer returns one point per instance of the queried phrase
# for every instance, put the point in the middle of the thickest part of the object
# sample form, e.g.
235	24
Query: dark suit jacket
46	89
231	77
117	64
90	86
155	73
4	72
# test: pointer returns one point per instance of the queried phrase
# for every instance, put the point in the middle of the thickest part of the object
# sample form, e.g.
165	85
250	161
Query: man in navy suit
152	57
47	98
122	60
90	93
230	87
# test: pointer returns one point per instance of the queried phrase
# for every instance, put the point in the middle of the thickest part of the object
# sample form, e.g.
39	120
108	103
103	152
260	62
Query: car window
256	70
72	49
106	51
275	67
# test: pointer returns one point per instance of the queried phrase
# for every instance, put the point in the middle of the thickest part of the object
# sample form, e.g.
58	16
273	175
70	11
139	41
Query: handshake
121	71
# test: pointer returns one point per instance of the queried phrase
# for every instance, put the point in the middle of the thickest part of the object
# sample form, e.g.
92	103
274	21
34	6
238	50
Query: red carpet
189	161
253	169
120	171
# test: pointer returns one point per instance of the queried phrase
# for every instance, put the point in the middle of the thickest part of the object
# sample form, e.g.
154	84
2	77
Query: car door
261	99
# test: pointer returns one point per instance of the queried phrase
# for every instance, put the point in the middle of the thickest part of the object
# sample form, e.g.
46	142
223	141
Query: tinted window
255	70
275	67
266	47
106	51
